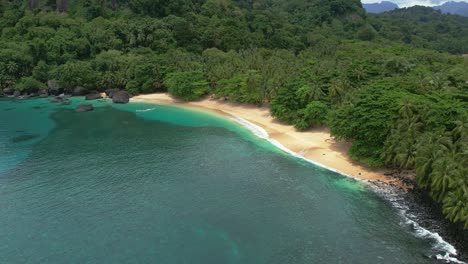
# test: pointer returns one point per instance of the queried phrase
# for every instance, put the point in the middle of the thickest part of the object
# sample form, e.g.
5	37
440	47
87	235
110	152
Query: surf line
419	231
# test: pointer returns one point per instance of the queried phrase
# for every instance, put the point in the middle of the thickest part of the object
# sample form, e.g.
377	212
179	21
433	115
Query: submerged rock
23	138
121	97
94	96
84	108
57	99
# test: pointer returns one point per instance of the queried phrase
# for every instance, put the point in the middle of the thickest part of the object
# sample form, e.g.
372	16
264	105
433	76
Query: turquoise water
176	186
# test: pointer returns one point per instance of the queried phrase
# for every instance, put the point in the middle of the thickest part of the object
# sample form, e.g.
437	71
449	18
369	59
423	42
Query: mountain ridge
452	7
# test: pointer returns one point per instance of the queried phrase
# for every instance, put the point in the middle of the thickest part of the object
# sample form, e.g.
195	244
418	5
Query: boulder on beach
121	97
43	93
79	91
8	91
84	108
54	87
94	96
110	92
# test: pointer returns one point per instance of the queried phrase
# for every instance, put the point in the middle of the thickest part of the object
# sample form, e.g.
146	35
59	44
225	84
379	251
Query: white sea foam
439	245
145	110
263	134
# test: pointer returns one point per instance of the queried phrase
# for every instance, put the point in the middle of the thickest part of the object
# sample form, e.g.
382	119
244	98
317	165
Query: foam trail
263	134
440	244
145	110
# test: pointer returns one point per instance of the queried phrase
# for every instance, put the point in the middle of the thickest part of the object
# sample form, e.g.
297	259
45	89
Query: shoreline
318	147
314	145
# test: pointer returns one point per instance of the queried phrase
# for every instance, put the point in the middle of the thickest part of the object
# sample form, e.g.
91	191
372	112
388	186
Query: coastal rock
80	91
93	96
121	97
16	93
110	92
8	91
57	99
43	93
54	87
84	108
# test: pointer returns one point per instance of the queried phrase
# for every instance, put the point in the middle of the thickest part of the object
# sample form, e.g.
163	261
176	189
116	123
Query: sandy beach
315	145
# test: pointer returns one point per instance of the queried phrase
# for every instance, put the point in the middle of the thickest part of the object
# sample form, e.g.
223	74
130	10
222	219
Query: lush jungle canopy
385	82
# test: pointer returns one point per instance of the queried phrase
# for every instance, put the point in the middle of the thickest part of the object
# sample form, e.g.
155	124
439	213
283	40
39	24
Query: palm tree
338	89
443	176
427	152
400	149
455	205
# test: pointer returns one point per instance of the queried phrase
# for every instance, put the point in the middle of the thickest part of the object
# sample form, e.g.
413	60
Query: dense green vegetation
423	27
316	62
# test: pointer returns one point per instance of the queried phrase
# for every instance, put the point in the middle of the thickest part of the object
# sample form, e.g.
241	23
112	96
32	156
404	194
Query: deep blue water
177	186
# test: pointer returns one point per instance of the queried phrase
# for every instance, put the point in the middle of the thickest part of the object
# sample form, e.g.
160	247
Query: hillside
423	27
454	8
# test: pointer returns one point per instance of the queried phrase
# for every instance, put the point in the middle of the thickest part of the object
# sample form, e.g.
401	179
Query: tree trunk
32	4
62	6
114	4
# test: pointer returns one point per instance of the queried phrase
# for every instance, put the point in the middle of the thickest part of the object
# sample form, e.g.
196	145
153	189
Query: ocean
142	183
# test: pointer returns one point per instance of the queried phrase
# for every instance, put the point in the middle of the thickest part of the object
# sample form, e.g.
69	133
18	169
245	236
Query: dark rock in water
32	95
54	87
23	138
84	108
8	91
79	91
37	107
43	93
110	92
57	99
121	97
93	96
16	93
66	102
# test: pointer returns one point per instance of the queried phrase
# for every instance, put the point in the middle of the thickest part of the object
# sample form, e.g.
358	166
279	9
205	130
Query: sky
406	3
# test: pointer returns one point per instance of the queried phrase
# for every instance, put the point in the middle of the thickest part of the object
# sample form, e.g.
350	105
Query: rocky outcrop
79	91
43	93
84	108
8	91
121	97
16	93
94	96
110	92
54	87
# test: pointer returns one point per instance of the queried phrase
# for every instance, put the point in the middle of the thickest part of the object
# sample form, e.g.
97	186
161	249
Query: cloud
407	3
